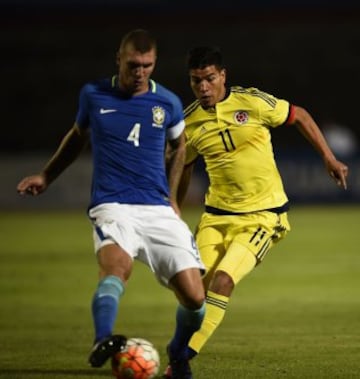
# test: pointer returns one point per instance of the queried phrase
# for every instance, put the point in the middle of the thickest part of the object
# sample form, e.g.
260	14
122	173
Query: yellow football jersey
235	142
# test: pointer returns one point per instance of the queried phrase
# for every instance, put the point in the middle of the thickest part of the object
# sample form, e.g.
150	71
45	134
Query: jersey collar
115	83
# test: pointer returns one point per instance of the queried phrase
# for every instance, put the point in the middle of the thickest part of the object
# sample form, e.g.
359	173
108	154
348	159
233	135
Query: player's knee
188	288
114	261
194	303
222	283
199	300
193	299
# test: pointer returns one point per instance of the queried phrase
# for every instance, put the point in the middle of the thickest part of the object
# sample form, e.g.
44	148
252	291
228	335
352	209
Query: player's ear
223	74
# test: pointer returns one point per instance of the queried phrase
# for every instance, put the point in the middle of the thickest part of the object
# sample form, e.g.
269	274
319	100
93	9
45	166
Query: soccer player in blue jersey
128	119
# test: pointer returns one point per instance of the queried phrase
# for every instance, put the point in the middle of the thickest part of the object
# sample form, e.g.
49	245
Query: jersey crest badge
158	117
241	117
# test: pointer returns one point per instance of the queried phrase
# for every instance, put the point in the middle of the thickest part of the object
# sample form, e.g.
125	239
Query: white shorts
152	234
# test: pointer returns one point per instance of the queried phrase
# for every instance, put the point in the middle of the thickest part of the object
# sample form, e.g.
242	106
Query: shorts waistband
222	212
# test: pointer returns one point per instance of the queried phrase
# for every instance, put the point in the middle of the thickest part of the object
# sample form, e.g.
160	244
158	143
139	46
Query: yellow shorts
236	243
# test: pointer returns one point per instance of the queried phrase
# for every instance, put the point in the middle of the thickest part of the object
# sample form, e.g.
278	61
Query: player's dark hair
140	39
203	56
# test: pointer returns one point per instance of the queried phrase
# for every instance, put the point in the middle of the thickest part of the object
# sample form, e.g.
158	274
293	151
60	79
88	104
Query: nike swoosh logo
104	111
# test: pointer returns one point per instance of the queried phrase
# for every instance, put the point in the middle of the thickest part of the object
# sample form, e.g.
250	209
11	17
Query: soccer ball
138	360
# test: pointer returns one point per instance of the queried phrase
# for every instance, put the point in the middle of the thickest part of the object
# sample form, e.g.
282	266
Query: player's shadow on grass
44	373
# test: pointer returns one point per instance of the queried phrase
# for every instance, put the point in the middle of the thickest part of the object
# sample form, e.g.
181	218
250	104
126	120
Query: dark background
307	52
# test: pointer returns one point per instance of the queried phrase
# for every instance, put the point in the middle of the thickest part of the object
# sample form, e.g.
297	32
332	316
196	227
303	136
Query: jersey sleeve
176	130
82	117
273	111
177	123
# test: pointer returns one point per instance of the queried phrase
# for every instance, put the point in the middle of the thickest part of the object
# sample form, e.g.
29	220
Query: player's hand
339	172
32	185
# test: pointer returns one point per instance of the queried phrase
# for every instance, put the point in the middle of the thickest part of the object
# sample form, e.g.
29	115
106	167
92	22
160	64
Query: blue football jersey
128	139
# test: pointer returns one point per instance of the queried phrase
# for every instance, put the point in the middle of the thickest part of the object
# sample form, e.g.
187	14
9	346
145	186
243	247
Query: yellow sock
215	311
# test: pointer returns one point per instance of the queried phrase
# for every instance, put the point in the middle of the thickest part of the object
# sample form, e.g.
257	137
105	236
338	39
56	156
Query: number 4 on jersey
134	135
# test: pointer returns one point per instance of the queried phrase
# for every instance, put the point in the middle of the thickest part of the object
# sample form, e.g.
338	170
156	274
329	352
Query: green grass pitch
296	316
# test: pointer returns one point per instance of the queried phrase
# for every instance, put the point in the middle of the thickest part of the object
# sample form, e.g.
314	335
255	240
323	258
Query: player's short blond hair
140	39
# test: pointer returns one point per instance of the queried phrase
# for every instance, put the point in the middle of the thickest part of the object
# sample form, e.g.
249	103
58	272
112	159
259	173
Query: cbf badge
241	117
158	117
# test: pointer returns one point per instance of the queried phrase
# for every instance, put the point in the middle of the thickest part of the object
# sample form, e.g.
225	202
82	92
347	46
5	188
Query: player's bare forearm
184	183
175	158
70	147
308	127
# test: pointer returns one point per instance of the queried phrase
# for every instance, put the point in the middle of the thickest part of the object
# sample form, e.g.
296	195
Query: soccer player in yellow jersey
245	205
